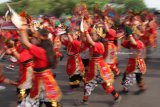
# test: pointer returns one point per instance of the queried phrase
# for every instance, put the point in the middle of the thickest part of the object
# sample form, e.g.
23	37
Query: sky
1	1
153	4
149	3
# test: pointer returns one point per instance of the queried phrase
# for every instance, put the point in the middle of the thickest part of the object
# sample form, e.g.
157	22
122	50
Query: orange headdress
25	16
81	9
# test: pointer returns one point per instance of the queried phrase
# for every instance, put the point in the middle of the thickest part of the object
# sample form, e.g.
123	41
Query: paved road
151	98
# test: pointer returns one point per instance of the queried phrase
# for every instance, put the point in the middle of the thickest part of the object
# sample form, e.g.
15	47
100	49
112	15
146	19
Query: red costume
96	53
136	57
57	46
153	34
136	66
75	68
26	65
145	38
74	59
43	79
98	73
26	74
110	54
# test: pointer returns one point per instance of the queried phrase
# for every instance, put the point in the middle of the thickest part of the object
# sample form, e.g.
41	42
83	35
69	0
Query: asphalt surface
150	98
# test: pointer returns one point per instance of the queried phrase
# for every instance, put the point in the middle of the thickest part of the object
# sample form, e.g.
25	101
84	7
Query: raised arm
129	35
106	25
24	36
132	40
88	37
70	39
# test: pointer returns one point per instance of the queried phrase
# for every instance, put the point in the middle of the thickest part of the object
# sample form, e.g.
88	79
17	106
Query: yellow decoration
75	82
22	94
22	91
136	31
99	31
54	103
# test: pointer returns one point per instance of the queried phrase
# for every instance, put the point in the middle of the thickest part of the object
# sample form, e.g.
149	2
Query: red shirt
111	34
98	48
72	48
40	58
25	55
128	45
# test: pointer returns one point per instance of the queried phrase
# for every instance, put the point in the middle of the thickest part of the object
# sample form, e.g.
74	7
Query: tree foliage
135	5
51	7
58	7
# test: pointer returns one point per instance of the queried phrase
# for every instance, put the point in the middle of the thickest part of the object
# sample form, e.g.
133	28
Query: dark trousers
75	81
50	104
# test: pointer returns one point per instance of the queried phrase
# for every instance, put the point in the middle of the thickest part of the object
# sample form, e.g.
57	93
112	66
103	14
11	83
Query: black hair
30	33
47	45
43	32
100	39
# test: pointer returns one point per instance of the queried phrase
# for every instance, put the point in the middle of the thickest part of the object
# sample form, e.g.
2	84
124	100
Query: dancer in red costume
25	60
136	66
99	71
75	68
45	88
153	32
110	54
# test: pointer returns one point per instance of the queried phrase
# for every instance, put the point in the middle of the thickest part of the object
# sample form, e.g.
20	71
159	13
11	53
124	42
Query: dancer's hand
11	82
85	25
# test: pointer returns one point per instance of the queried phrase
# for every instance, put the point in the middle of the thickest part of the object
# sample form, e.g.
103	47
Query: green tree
135	5
15	0
51	7
59	7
